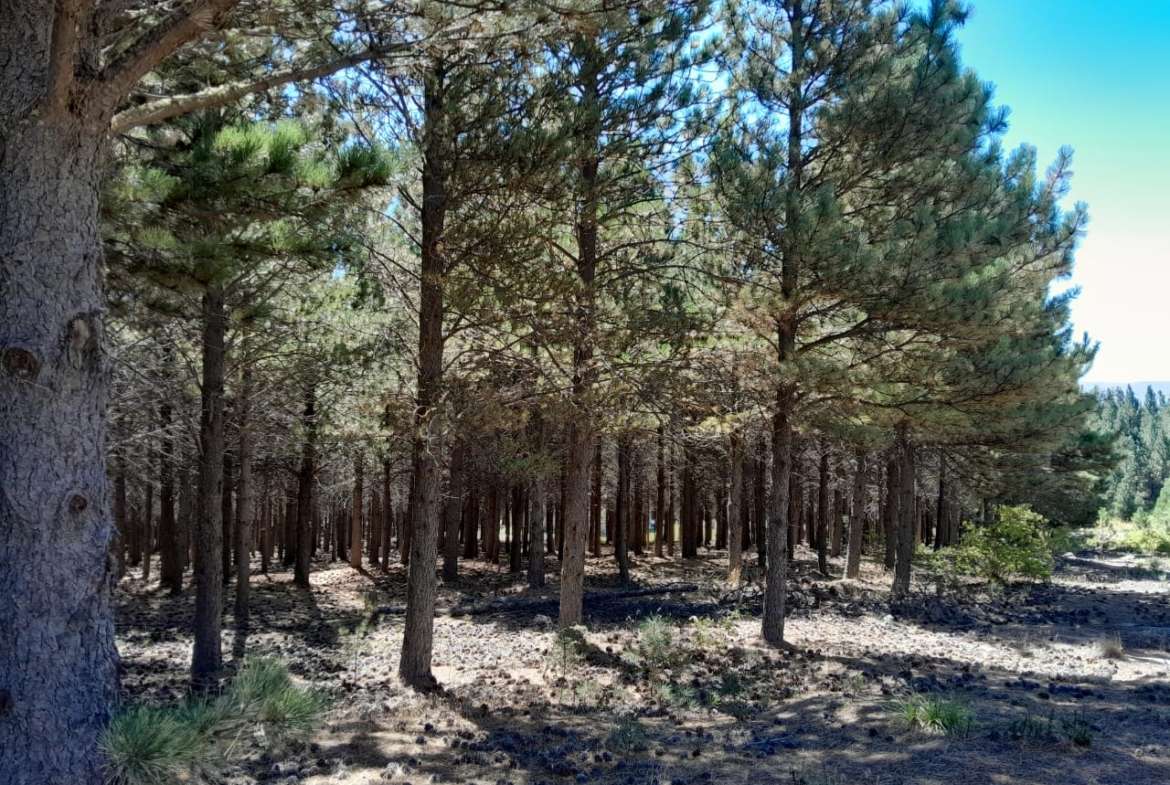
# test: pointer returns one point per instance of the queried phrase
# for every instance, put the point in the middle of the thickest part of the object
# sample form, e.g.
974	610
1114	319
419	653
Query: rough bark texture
206	656
425	501
574	517
57	658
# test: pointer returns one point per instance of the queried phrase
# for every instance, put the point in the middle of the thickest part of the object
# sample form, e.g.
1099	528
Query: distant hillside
1139	388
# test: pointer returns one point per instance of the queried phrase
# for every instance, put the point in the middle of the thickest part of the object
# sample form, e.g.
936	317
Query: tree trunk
206	657
581	440
147	528
356	513
905	516
890	512
823	516
452	508
536	537
226	499
660	494
595	505
734	513
245	500
305	478
516	523
624	512
418	636
170	560
57	659
856	520
760	502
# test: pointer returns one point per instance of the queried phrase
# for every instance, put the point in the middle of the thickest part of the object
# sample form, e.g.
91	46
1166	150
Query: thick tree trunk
425	501
57	658
580	441
735	512
206	656
856	519
226	539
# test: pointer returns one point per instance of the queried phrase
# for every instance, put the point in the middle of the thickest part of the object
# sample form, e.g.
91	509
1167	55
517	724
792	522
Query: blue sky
1095	75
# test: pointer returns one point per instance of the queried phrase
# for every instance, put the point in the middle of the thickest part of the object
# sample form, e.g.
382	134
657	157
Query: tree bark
356	512
823	522
621	540
305	479
735	512
452	508
905	516
418	636
206	656
170	560
245	496
536	537
856	519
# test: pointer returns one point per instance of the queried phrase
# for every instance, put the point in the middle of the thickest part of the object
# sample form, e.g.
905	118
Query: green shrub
655	646
627	736
161	745
1015	545
935	715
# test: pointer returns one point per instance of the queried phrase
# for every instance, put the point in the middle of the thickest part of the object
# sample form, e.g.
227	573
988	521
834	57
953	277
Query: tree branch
63	55
120	76
157	111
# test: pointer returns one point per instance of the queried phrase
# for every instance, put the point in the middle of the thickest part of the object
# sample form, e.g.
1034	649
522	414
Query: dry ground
521	705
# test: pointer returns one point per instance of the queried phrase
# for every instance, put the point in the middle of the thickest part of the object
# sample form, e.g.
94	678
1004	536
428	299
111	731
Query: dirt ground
1066	683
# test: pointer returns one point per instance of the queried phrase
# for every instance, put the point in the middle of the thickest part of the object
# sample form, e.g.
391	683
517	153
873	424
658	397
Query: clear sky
1095	75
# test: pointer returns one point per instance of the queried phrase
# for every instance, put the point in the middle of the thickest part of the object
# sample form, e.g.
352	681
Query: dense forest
1141	446
437	288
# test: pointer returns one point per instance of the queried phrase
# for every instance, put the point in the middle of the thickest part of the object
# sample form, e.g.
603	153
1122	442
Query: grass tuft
935	715
191	743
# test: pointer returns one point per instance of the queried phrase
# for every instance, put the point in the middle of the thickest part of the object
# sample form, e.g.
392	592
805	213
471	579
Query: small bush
1051	730
148	745
935	715
1013	546
1111	648
655	647
627	736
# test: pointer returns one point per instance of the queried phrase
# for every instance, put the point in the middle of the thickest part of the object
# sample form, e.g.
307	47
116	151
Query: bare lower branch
157	111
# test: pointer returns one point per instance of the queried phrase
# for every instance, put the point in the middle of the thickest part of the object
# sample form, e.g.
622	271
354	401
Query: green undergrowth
193	742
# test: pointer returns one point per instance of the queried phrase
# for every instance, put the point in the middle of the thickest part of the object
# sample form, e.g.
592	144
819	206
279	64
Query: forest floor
1065	683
